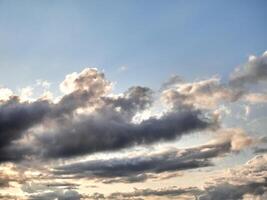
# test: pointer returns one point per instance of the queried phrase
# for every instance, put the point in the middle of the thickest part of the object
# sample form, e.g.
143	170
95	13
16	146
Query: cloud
236	137
35	187
40	190
253	72
90	79
172	81
140	194
26	93
108	126
261	148
16	118
8	197
208	93
5	94
234	192
59	195
255	98
140	168
237	183
204	94
4	182
250	178
165	192
43	83
133	100
168	161
108	131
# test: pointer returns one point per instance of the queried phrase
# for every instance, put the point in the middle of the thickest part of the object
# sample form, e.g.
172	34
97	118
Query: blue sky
153	39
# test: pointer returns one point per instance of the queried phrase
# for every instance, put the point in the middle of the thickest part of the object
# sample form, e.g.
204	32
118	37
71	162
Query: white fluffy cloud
5	94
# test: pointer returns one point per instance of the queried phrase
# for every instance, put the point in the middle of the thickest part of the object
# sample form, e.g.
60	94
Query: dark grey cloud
17	117
125	179
107	130
129	167
259	150
140	168
133	100
64	185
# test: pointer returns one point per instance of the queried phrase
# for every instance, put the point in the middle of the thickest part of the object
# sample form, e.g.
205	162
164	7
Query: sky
133	99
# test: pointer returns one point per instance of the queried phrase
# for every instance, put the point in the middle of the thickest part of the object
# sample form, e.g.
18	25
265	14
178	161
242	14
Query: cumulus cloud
18	116
209	93
201	94
26	93
43	83
5	94
108	126
90	79
254	71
